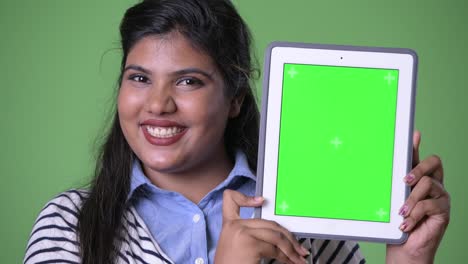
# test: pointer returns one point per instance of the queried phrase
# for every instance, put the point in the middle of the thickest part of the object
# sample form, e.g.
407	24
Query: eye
139	78
189	81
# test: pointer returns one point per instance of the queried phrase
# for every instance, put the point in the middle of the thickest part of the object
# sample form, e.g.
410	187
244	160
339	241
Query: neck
196	182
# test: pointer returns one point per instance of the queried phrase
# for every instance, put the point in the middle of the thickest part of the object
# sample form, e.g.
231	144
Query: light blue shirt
188	232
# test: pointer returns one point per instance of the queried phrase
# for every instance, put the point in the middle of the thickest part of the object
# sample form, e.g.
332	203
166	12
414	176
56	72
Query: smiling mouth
163	132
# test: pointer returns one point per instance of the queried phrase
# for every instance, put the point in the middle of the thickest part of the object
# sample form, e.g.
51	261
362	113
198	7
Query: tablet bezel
279	53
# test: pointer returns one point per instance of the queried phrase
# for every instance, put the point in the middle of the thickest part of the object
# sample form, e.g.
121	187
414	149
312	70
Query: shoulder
54	234
62	210
54	238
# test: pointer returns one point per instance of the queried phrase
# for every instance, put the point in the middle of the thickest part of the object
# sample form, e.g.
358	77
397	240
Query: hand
426	211
249	240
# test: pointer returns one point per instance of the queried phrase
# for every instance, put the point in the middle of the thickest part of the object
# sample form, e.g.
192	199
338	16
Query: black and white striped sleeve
54	235
333	251
329	252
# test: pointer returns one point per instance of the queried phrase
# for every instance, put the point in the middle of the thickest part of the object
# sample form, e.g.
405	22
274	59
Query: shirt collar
137	178
241	169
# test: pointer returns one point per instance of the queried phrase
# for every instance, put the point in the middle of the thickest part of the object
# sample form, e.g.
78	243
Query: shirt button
199	261
196	218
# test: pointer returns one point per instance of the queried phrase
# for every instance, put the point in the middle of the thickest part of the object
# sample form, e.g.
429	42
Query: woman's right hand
249	240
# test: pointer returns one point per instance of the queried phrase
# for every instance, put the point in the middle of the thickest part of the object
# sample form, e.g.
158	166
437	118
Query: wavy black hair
215	28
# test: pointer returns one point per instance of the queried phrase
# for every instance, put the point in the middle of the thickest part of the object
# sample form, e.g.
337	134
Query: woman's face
172	106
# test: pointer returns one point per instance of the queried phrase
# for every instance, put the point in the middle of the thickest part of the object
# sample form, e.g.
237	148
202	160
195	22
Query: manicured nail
409	178
403	210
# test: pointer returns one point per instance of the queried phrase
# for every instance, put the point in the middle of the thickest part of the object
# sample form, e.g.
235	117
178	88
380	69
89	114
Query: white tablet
336	139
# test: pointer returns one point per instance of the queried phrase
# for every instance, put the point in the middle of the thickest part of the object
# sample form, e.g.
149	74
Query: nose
160	100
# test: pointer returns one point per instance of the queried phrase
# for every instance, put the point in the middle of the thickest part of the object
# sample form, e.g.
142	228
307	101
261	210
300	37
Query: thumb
234	200
416	142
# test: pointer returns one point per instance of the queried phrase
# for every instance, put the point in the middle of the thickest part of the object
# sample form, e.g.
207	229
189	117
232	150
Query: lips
162	132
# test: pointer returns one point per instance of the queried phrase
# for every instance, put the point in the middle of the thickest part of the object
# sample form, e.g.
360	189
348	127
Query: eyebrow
137	68
179	72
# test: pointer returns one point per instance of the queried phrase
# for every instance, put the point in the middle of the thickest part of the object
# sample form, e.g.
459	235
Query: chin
162	164
159	165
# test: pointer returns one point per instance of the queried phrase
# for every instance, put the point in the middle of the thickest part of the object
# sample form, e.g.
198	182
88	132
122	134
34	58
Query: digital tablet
336	140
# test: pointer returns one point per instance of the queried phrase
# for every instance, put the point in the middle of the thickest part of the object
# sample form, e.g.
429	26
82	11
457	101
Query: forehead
169	52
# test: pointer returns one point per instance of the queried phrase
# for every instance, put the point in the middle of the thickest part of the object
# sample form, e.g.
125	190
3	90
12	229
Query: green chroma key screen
336	142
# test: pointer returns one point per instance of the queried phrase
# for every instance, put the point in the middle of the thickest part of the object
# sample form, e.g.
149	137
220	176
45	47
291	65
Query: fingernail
258	199
403	226
403	210
409	178
305	251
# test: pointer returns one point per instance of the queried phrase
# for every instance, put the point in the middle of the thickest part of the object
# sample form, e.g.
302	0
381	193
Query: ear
236	104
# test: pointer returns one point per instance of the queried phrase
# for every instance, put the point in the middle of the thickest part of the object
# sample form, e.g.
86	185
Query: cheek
210	112
128	104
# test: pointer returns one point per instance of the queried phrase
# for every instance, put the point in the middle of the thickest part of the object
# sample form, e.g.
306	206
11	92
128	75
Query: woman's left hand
426	211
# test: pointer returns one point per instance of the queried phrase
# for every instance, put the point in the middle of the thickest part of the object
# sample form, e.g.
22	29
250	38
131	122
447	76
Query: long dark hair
213	27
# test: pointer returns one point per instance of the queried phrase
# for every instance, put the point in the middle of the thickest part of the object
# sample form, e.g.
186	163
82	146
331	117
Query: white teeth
163	132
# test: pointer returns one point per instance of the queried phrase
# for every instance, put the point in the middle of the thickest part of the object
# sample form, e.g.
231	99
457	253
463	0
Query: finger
432	166
416	143
440	206
427	187
233	200
280	241
270	251
261	224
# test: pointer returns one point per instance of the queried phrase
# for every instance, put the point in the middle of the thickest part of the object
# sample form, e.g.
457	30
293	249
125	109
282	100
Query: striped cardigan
54	238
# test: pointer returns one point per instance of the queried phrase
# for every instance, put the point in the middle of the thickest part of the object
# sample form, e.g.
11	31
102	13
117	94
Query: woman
180	157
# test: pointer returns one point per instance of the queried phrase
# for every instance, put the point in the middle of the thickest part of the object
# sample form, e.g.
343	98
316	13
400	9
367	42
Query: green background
322	105
59	62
